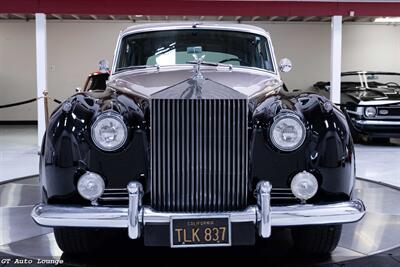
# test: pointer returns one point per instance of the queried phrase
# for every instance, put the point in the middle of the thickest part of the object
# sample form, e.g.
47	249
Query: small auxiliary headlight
370	112
304	185
91	186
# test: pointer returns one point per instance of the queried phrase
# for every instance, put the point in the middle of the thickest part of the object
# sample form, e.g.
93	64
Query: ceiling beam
112	17
166	17
365	19
201	18
20	16
57	16
255	18
75	16
309	18
364	8
325	19
148	17
348	18
93	17
220	18
291	18
238	18
273	18
4	16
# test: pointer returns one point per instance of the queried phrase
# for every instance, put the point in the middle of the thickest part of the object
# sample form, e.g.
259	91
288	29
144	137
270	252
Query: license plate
200	231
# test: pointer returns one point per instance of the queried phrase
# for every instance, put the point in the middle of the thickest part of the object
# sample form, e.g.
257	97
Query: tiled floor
18	152
18	156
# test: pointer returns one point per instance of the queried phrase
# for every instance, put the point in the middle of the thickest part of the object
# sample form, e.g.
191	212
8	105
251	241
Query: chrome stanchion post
46	106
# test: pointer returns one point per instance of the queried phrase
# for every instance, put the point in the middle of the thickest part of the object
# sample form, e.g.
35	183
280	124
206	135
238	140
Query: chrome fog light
370	112
304	185
91	186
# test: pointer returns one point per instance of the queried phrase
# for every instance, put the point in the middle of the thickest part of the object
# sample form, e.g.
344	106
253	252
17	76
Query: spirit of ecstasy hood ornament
199	60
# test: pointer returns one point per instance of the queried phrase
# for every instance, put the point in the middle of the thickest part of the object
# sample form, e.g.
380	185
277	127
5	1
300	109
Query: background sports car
371	103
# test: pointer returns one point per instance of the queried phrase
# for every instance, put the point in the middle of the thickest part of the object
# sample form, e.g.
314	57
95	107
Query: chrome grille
199	154
282	194
120	196
389	112
114	196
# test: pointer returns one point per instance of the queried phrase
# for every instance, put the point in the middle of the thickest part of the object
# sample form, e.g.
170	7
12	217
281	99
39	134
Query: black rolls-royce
371	102
195	143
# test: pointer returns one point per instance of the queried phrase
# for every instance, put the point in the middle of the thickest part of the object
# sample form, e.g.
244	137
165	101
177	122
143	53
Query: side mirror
104	65
285	65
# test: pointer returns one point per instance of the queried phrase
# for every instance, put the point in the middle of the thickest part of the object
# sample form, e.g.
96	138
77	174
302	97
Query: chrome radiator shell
199	154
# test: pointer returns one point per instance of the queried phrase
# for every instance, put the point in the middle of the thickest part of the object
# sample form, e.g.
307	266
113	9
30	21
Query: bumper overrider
136	216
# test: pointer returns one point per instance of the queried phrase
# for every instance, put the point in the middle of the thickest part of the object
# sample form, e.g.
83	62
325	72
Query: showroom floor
378	231
18	151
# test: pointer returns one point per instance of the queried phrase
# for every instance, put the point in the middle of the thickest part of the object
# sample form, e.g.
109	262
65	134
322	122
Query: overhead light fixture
387	20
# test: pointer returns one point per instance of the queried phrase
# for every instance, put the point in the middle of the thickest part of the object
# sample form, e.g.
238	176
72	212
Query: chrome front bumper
377	122
135	216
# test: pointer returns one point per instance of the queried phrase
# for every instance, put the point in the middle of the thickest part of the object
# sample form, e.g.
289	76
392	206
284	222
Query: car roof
146	27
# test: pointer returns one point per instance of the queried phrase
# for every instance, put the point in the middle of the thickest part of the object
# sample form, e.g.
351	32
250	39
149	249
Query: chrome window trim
160	27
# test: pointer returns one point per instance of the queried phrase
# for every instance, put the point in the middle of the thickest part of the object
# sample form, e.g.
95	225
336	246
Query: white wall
371	47
17	69
74	48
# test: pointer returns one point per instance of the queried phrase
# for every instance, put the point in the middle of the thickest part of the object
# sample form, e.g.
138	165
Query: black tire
74	240
356	137
316	239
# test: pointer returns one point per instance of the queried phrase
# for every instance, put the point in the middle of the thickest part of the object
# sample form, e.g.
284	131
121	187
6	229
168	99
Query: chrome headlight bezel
300	123
366	112
118	118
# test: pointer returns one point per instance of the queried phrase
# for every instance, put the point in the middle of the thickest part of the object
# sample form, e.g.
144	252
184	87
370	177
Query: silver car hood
149	82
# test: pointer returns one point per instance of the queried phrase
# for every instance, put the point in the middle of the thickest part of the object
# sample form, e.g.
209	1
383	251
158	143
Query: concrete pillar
41	71
336	58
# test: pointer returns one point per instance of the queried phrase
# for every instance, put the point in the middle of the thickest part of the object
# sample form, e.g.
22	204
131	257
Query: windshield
177	47
371	80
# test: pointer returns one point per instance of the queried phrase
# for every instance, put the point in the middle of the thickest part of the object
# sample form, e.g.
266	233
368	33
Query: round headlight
109	131
370	112
304	185
91	186
287	133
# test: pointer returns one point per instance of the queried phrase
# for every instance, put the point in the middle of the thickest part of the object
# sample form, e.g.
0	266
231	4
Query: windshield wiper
136	67
208	63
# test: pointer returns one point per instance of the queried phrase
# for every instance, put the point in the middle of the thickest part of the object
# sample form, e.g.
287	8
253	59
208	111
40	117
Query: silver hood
150	82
